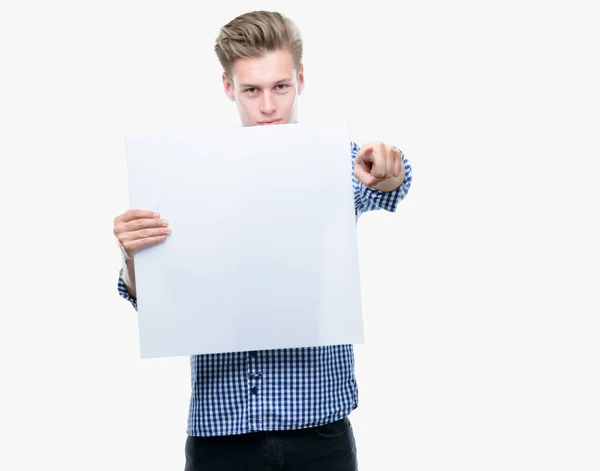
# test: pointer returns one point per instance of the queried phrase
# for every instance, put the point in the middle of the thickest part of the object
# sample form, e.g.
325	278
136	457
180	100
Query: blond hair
254	34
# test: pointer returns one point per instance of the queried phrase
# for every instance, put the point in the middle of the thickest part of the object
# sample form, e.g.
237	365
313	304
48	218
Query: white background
480	294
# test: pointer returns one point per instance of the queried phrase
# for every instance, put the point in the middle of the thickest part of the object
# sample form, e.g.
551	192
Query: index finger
364	151
133	214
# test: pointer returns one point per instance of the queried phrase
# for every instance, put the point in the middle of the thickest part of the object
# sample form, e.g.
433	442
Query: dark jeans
329	447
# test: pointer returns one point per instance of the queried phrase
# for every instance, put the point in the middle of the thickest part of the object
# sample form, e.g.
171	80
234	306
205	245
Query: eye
251	90
283	86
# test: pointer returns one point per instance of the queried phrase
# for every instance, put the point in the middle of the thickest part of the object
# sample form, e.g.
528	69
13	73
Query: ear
300	79
228	87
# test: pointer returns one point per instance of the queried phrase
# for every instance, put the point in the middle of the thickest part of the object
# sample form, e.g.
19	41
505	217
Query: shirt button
254	390
255	375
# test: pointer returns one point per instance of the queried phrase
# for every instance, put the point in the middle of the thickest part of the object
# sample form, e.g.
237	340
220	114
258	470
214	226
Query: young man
276	409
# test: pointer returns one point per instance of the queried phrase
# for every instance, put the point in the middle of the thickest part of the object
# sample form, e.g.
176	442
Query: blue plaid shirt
241	392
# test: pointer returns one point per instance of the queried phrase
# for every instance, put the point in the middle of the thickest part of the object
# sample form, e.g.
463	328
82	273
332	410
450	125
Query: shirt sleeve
370	199
122	288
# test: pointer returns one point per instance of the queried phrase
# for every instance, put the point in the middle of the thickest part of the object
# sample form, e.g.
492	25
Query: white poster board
263	249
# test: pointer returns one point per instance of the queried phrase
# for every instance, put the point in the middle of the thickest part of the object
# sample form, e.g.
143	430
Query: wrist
124	255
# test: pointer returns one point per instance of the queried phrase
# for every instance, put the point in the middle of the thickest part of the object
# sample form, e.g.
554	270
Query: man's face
266	88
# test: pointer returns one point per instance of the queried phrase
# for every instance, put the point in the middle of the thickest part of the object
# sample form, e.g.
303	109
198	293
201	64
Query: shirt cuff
122	288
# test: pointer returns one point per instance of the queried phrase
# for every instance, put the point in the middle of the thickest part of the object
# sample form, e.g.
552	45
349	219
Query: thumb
364	176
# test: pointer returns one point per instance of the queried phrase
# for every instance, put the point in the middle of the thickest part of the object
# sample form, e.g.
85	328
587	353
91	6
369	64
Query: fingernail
164	222
156	215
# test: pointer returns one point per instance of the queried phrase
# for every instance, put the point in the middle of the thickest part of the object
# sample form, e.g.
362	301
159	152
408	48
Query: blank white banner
263	249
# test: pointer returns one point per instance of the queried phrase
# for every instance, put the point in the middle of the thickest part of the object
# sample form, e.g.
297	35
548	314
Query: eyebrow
249	85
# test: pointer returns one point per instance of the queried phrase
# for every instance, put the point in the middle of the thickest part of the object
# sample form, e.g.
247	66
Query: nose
267	104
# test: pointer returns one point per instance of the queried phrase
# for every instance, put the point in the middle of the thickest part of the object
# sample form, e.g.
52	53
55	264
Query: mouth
275	121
